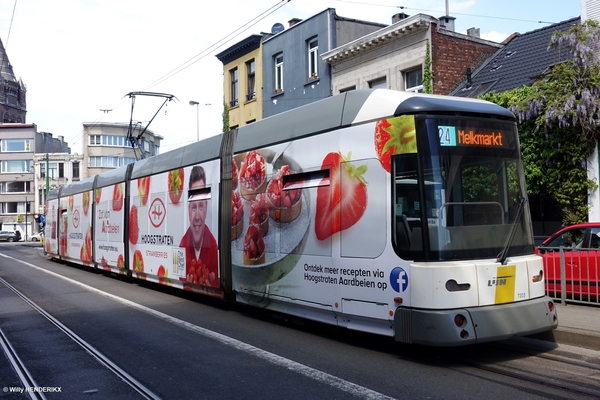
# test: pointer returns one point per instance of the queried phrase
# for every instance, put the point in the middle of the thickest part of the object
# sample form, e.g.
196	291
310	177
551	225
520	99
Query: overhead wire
207	51
442	12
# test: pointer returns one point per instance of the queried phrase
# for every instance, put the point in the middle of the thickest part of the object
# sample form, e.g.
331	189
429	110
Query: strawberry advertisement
75	232
51	234
108	228
172	218
328	198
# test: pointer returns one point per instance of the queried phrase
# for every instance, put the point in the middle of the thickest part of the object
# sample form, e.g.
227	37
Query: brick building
393	57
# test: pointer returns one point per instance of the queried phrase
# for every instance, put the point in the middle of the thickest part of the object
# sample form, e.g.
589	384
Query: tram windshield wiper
503	255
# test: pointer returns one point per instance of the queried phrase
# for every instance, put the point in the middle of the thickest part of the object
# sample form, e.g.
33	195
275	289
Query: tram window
199	194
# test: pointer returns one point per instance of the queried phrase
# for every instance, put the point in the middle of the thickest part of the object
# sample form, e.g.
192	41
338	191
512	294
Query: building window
234	87
109	162
347	89
251	68
414	80
61	170
313	58
95	140
14	145
76	170
15	187
279	73
16	207
379	83
52	170
16	166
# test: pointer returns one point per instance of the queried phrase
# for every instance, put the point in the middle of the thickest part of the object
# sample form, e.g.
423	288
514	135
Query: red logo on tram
76	218
157	212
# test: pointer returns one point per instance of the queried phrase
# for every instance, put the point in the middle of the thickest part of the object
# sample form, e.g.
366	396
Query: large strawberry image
134	229
118	197
394	136
143	189
175	182
342	203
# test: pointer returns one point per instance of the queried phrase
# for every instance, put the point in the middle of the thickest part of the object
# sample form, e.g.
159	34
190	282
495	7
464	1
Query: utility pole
47	181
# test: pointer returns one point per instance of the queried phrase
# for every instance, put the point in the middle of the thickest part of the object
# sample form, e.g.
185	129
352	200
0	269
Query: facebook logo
399	279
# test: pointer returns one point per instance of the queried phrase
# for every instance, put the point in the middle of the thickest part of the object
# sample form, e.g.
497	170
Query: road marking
312	373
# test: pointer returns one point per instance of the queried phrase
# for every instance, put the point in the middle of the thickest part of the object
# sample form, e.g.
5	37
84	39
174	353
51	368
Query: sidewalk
578	325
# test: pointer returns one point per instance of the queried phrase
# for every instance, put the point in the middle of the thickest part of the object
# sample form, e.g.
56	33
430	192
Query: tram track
19	367
545	371
26	378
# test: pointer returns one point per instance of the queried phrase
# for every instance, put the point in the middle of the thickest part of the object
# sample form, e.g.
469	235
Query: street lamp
195	103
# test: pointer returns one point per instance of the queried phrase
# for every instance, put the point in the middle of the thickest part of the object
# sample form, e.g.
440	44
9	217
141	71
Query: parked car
10	236
35	237
581	247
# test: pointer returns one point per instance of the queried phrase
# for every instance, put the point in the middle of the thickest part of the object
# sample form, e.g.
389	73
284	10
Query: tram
395	213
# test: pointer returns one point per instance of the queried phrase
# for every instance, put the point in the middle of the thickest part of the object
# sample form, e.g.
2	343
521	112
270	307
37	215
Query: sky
79	57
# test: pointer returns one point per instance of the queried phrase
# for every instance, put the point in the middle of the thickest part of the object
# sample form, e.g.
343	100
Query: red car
581	246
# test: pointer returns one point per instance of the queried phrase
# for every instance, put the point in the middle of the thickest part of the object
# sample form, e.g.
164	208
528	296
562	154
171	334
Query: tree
558	120
569	95
225	116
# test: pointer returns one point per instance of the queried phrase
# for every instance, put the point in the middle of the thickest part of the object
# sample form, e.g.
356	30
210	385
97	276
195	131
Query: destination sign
451	136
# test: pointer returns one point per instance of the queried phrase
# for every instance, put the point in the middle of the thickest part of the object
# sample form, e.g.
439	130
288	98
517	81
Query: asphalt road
179	345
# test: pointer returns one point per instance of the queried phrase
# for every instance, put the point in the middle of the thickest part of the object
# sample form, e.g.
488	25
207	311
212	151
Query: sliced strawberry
237	208
143	189
120	261
253	171
394	136
342	203
138	261
86	203
259	209
175	182
254	244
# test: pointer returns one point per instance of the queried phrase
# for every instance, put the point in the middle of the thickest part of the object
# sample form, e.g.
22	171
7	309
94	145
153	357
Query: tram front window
458	197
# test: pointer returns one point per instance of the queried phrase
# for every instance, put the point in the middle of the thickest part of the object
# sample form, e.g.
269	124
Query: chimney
447	23
293	22
473	32
399	17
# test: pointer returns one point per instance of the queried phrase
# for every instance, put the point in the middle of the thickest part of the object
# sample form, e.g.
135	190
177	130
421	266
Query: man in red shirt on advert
201	248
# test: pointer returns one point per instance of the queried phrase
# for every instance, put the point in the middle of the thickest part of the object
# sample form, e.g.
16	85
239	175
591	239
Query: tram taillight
460	320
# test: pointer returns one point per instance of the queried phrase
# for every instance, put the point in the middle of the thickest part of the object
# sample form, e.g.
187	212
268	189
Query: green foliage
569	93
427	72
558	121
225	116
554	159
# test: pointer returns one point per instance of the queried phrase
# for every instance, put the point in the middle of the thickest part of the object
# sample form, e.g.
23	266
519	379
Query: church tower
13	104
